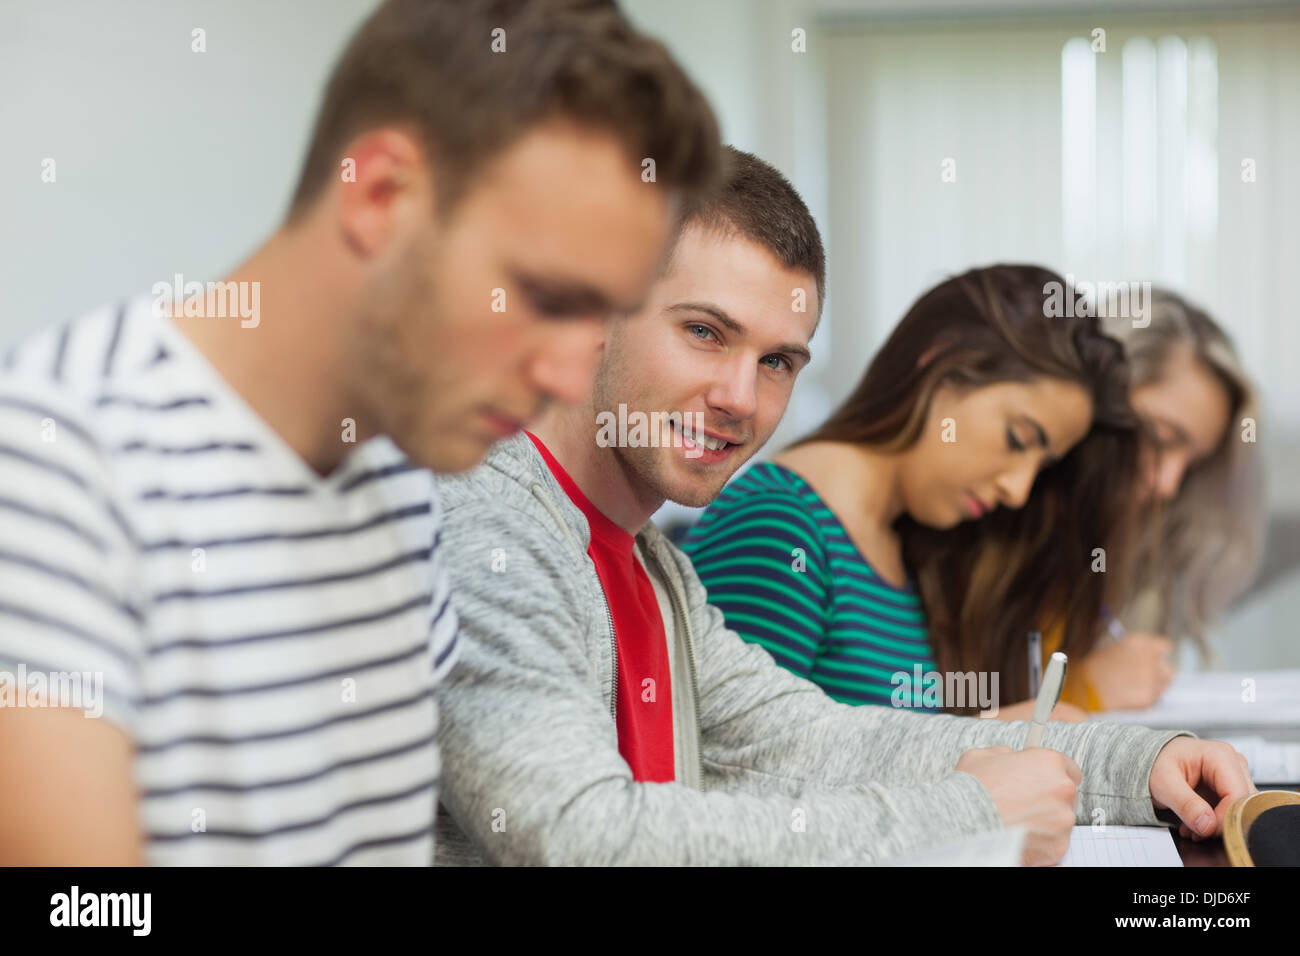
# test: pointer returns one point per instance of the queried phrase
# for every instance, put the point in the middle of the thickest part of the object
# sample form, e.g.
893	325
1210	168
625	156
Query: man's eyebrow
583	296
736	327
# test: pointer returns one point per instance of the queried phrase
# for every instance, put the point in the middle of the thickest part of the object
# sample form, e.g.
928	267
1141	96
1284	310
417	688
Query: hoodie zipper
613	647
695	693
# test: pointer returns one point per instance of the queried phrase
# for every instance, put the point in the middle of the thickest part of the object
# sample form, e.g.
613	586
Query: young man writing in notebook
225	527
602	713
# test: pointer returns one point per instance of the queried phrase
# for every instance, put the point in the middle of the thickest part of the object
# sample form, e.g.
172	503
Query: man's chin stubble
655	477
701	500
691	494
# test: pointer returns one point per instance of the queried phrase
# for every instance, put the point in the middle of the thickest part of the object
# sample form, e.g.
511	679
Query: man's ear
385	190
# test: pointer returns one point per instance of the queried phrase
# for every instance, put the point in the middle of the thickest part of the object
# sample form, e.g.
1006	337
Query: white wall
771	101
989	95
890	87
166	160
169	160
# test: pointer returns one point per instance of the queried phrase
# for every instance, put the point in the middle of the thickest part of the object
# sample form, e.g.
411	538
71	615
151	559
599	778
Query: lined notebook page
1121	846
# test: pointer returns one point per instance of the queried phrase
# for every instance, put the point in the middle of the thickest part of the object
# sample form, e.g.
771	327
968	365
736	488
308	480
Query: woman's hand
1025	710
1132	673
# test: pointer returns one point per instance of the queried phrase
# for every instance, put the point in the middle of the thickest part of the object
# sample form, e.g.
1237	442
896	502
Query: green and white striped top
782	569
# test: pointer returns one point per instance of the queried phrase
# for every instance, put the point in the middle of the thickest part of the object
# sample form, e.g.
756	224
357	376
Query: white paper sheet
1271	761
1121	846
1248	699
997	848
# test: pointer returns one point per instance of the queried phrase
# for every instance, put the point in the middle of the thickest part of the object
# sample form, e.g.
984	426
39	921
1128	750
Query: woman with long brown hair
979	475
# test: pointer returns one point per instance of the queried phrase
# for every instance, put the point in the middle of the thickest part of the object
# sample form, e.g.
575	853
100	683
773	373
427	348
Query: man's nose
564	367
733	392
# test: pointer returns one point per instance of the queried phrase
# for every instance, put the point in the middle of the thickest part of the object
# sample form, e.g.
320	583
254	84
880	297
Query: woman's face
1187	414
982	448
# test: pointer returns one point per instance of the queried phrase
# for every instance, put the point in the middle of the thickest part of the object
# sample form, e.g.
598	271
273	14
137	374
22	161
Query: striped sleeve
444	626
68	620
762	559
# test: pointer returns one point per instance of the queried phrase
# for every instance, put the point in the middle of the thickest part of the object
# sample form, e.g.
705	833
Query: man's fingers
1197	814
1227	771
1173	789
1217	767
1245	766
1074	772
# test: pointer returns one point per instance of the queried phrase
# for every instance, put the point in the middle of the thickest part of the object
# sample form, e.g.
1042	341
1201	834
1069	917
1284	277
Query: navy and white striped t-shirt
270	639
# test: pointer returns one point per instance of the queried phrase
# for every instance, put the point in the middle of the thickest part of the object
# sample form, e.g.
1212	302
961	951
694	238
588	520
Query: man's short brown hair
429	66
755	201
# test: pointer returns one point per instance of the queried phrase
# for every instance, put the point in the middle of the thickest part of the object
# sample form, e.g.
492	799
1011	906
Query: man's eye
694	329
781	362
551	307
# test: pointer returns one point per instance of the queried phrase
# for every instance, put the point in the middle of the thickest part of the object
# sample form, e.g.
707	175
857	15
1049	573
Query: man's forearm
763	720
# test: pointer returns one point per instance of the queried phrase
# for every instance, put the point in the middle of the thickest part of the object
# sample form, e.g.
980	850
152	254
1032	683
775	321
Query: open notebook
1121	846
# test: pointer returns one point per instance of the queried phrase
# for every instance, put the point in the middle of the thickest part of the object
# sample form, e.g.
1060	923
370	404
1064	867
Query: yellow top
1077	690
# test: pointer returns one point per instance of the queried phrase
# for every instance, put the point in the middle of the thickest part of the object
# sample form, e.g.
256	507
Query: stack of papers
1233	701
1276	762
1223	699
995	848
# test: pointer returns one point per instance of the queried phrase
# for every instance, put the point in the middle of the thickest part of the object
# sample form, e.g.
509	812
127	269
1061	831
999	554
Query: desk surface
1204	853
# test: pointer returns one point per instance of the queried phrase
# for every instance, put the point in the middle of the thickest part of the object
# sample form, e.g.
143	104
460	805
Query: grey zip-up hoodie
776	771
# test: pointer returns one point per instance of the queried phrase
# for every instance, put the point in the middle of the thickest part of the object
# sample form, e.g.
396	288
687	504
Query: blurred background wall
1125	164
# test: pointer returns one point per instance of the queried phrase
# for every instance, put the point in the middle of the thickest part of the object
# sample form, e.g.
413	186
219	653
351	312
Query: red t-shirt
644	709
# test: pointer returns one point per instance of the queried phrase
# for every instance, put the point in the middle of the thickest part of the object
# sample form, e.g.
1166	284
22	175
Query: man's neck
289	366
569	433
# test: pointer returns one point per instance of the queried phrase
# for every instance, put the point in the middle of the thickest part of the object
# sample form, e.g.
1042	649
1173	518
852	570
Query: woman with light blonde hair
1202	477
